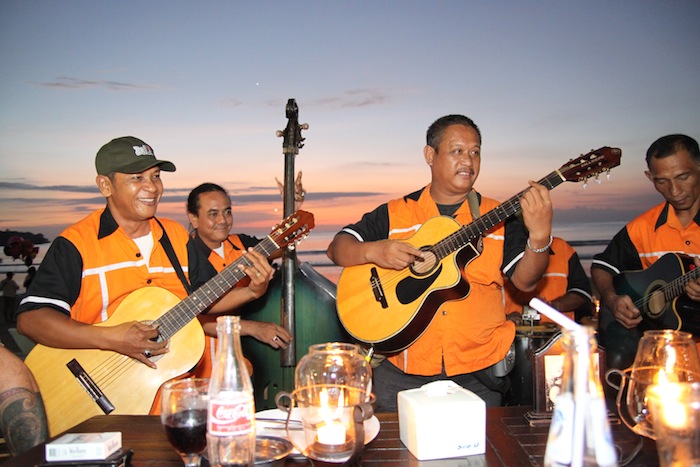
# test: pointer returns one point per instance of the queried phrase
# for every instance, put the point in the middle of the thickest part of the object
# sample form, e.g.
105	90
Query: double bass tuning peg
303	126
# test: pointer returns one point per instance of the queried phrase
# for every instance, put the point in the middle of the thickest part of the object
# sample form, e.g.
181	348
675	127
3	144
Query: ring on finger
257	274
275	339
147	353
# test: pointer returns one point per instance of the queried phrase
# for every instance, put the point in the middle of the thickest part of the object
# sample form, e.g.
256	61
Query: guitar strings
97	380
672	289
109	371
457	240
578	170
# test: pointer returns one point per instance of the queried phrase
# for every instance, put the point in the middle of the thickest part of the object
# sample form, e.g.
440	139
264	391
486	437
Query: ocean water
587	238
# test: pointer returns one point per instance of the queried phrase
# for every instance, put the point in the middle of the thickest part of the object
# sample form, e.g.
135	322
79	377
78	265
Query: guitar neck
202	298
676	287
483	224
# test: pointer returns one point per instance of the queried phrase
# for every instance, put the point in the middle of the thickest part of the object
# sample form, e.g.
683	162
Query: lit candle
332	434
672	405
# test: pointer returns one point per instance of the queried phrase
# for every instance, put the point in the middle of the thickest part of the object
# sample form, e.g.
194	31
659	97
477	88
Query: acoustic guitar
389	309
78	384
659	293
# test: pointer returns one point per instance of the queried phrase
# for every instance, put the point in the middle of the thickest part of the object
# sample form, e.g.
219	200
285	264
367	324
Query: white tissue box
441	420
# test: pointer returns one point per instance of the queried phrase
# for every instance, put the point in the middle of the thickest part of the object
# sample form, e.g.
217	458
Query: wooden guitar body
397	306
77	384
129	385
388	310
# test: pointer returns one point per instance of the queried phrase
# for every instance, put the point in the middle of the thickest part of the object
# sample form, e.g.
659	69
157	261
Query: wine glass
184	417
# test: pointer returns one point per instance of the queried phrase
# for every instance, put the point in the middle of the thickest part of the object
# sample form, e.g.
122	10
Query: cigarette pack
83	446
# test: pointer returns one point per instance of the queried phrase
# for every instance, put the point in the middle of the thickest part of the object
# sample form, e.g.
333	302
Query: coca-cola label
230	416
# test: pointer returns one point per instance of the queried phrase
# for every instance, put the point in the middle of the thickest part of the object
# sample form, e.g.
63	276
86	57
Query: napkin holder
441	420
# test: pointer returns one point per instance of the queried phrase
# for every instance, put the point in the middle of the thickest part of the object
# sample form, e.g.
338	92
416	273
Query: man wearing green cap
95	264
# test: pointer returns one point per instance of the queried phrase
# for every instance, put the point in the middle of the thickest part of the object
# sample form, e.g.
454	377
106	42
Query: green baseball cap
128	155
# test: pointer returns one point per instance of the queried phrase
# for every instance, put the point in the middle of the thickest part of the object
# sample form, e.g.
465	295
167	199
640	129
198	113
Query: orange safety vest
113	266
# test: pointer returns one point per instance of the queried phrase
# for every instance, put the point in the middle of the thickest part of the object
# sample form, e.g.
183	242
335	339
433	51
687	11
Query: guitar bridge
90	386
378	289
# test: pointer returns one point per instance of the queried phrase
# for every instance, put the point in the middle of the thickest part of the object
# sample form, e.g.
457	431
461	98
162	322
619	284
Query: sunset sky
206	83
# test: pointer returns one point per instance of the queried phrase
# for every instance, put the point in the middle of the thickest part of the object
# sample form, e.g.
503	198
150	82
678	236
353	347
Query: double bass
298	298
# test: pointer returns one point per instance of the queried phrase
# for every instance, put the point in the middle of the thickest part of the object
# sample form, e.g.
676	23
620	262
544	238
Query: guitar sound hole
656	304
422	268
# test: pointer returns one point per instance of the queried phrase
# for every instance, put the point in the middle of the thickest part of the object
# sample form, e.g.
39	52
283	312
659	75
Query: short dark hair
435	131
193	197
670	144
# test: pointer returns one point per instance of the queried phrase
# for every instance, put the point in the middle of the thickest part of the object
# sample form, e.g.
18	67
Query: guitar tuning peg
597	180
585	183
607	175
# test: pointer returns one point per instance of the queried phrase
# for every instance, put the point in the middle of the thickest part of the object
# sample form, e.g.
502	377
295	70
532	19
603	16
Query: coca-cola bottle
231	417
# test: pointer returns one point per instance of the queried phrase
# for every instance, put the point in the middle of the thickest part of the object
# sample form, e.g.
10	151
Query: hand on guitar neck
387	298
692	288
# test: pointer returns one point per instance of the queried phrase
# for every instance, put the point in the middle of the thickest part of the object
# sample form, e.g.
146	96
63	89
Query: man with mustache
466	337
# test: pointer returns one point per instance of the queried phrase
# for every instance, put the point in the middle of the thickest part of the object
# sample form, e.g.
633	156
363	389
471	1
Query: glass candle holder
662	356
333	396
334	363
675	414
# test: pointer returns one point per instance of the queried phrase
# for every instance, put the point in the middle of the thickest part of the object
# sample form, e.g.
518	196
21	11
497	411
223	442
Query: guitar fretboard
677	286
182	313
488	221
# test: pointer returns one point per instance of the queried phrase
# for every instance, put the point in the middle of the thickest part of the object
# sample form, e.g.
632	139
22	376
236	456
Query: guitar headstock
292	229
591	164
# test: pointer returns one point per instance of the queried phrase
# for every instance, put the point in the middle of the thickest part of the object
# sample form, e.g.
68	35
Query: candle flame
331	411
673	406
331	431
671	401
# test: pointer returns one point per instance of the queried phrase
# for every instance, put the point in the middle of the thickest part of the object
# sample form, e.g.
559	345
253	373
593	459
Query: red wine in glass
187	430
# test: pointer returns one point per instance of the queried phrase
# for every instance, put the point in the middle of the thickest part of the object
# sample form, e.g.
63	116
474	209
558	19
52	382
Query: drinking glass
184	417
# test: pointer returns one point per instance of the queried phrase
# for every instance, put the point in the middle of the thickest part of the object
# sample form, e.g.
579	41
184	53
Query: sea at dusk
587	238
